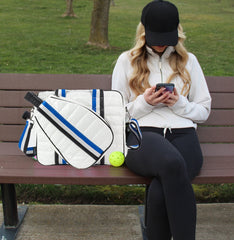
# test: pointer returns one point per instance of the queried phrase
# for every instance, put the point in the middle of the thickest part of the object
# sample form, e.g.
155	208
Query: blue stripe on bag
22	136
94	100
72	128
64	162
63	92
30	150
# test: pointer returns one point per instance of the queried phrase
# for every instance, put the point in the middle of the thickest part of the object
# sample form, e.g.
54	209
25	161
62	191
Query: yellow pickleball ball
116	159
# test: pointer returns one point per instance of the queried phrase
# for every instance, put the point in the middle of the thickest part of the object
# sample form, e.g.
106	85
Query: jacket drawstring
165	131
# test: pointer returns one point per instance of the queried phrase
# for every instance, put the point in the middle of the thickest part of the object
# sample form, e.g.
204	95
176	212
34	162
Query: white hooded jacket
186	112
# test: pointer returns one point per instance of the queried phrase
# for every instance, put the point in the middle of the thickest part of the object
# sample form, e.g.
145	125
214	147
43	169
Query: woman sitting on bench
170	151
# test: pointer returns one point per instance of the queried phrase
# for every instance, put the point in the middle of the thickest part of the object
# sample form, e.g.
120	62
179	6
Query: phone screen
169	86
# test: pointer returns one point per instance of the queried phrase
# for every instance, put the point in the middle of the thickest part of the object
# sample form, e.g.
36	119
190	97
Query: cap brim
161	38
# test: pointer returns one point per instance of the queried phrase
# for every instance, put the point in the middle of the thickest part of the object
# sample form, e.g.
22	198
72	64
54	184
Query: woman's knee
172	165
156	157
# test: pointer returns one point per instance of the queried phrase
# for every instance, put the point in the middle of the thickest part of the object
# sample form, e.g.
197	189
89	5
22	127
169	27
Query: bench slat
218	150
216	134
16	99
47	81
217	163
12	133
17	168
208	150
13	99
14	116
222	100
215	177
220	84
220	117
53	81
21	169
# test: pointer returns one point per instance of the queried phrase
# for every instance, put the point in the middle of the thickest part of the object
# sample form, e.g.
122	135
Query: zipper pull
160	63
160	67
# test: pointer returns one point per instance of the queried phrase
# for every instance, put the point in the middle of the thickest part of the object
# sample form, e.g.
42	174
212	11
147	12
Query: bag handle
133	127
33	98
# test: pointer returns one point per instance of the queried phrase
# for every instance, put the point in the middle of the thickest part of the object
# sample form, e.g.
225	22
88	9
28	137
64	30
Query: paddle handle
33	98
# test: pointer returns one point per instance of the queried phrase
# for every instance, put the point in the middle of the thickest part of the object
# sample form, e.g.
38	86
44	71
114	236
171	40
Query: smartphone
169	86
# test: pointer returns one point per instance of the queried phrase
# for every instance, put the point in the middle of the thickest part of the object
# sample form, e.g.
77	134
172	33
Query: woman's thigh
187	143
156	156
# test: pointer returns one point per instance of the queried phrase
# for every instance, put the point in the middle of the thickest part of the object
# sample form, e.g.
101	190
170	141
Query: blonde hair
177	60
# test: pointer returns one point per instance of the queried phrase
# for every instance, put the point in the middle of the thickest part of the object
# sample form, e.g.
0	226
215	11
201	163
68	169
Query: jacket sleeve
196	106
137	107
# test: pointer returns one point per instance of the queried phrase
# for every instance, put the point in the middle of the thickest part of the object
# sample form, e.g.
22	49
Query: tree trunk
99	24
69	12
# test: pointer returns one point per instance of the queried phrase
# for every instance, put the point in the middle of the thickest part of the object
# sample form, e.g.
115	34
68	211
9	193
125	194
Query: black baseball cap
161	20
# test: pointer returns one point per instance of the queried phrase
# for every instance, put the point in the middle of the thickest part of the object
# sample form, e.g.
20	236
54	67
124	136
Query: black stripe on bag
102	114
27	139
67	134
102	103
56	158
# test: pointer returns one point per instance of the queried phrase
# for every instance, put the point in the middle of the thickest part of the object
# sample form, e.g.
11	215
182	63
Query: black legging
172	162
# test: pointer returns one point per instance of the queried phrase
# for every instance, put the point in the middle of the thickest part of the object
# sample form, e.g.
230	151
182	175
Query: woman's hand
160	96
173	98
153	98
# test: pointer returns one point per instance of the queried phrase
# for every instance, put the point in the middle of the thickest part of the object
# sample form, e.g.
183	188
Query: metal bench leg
143	215
13	216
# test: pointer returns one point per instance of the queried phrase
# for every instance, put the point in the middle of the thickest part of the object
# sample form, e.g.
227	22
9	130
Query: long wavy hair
177	60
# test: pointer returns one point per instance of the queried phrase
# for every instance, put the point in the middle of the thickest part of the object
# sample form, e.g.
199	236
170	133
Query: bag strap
24	139
134	128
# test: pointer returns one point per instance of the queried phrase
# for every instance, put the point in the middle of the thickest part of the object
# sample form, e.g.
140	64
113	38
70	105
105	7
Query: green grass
73	194
124	195
36	39
214	193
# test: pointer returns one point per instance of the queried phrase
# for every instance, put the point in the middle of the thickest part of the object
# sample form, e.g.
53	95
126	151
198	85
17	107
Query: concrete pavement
98	222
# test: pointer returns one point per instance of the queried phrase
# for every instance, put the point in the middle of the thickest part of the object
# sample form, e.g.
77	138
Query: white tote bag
106	105
78	135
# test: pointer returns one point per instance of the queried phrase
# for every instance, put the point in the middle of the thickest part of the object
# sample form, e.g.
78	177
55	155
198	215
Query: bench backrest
219	128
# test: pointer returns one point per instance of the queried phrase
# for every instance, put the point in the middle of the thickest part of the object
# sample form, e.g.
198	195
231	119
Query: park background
35	38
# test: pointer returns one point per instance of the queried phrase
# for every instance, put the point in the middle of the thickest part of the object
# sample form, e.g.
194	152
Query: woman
170	153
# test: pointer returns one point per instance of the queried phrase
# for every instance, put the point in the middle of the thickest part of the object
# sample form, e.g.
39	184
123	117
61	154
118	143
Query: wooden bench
216	137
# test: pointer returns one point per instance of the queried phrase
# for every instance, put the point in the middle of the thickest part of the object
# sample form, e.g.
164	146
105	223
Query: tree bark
69	12
99	24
